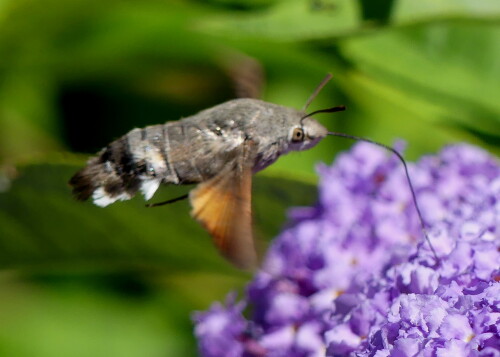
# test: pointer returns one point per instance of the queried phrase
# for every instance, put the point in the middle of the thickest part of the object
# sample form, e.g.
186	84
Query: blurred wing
223	207
246	73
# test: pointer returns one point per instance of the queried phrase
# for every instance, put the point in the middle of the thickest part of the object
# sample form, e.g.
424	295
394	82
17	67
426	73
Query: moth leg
157	204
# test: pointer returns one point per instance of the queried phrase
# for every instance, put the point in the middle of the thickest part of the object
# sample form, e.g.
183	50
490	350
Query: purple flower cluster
353	276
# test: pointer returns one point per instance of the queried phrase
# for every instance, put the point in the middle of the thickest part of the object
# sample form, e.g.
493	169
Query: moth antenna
339	108
317	90
403	161
180	198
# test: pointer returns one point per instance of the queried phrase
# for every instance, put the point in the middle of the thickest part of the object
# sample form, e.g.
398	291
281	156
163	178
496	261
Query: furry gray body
192	150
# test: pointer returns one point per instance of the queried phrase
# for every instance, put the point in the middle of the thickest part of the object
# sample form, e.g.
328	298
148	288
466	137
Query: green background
78	280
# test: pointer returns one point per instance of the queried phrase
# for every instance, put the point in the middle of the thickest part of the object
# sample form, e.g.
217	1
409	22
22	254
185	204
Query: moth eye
297	135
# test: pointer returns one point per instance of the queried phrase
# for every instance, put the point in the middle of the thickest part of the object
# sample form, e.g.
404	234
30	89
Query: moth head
307	134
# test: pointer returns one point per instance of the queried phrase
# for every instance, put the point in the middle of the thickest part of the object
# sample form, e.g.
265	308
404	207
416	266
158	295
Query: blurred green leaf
300	20
42	227
436	68
289	21
28	125
408	11
76	320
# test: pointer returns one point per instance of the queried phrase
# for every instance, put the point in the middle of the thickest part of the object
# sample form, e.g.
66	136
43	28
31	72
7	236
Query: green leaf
43	227
300	20
289	20
78	320
408	11
441	76
28	125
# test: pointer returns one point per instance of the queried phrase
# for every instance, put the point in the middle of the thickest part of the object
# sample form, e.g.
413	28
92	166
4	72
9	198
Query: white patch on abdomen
149	187
102	199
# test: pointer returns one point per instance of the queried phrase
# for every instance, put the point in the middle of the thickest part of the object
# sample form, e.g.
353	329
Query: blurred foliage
74	75
42	227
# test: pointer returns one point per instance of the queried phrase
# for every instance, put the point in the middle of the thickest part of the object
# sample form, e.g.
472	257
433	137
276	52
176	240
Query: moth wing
222	205
246	73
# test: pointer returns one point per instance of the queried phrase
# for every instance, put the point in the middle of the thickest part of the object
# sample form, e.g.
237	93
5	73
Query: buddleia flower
354	276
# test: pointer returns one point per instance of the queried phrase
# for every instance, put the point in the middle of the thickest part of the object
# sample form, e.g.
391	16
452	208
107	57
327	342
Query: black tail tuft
83	182
107	178
113	175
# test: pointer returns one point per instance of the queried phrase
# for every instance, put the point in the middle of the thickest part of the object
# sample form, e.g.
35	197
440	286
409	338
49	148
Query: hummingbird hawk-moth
219	149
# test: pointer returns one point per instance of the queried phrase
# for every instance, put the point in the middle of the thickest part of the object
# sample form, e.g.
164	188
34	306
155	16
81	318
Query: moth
219	149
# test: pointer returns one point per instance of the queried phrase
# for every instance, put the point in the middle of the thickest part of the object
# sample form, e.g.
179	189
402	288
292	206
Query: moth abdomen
141	160
108	177
127	165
